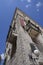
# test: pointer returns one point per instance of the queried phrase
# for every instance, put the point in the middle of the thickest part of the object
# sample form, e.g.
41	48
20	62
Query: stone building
23	32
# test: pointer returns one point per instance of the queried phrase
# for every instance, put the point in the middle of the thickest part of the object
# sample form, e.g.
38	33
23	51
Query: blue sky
33	8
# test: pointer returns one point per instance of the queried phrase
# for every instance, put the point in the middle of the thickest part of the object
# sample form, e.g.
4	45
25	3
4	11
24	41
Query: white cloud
28	1
38	4
27	6
2	56
37	10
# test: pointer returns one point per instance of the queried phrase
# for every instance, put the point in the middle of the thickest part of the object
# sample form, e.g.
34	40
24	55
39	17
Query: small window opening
14	46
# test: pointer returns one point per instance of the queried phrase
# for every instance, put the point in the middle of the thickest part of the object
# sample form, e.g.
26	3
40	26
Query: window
14	46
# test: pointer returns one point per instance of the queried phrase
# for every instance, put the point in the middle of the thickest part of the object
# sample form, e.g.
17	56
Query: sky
33	8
